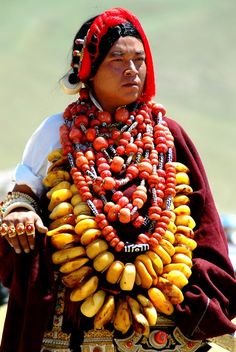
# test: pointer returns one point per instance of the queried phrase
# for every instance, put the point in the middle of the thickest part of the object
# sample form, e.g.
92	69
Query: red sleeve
209	303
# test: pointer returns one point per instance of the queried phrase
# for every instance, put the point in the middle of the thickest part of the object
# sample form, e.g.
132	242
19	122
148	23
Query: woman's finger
20	230
3	229
40	226
12	238
30	234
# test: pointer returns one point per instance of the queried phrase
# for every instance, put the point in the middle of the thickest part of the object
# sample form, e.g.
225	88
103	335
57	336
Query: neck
102	106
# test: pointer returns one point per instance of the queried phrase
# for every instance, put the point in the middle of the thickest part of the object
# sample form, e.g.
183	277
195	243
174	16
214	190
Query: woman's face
120	78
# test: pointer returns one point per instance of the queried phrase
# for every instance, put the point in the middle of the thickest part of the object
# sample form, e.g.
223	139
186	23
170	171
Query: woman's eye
141	59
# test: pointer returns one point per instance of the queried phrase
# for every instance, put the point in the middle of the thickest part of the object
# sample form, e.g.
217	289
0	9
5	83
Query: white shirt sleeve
34	164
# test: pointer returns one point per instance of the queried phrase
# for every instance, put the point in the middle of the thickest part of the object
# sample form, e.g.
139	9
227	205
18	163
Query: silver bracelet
15	200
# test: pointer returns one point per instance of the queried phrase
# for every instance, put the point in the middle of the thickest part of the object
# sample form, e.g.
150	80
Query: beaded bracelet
15	200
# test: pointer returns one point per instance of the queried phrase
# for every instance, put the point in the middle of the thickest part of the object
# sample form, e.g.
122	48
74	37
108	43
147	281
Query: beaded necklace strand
106	156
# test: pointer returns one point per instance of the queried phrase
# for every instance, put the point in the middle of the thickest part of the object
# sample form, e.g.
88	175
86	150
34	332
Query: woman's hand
19	228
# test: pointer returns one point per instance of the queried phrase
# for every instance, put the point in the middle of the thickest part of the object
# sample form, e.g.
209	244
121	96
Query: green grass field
194	52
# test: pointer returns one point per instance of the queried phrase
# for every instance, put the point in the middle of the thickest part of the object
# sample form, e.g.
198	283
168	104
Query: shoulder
174	126
50	123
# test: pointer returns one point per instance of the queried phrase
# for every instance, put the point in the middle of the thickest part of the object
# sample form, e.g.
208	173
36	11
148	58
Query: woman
128	167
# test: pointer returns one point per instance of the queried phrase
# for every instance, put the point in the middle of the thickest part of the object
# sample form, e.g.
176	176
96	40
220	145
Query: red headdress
99	28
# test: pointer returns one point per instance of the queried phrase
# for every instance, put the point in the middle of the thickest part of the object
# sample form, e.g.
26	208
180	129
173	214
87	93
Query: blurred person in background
111	238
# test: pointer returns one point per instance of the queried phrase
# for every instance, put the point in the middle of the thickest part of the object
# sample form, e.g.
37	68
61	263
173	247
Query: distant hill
194	49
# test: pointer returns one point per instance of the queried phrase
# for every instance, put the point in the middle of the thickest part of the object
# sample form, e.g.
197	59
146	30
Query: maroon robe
210	296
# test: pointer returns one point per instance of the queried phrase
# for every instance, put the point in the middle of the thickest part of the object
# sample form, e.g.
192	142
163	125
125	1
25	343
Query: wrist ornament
17	200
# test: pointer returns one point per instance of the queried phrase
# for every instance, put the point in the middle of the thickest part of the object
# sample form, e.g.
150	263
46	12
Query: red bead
104	116
103	223
110	236
138	222
106	230
131	148
119	247
99	217
162	148
133	170
142	238
81	160
86	196
153	242
81	119
75	135
84	94
90	134
121	115
105	173
123	201
120	150
117	195
103	166
100	143
114	242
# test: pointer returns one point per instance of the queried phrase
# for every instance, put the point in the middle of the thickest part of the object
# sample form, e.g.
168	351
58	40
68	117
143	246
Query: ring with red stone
11	231
29	229
20	229
3	229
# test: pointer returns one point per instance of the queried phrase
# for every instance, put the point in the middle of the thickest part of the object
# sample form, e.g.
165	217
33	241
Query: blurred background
193	44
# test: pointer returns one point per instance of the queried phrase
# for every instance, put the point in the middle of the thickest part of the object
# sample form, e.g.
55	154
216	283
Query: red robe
209	303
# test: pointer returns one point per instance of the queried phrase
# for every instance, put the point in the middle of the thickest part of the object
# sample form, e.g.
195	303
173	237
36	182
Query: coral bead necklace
108	155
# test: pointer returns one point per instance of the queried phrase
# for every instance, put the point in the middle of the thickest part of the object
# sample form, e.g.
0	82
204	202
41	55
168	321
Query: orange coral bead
154	209
100	143
140	194
153	179
142	238
138	222
138	202
119	246
123	201
113	213
133	171
124	215
110	236
85	196
117	164
109	183
108	206
81	160
154	217
89	154
139	118
102	224
131	148
153	242
114	242
106	230
145	166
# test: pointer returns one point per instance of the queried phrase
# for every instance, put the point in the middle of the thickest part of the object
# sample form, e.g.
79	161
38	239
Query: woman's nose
131	70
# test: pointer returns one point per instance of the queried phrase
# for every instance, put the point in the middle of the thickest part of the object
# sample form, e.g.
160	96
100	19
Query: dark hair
82	32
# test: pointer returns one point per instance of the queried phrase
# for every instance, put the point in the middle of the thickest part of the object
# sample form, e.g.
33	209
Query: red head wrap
99	28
